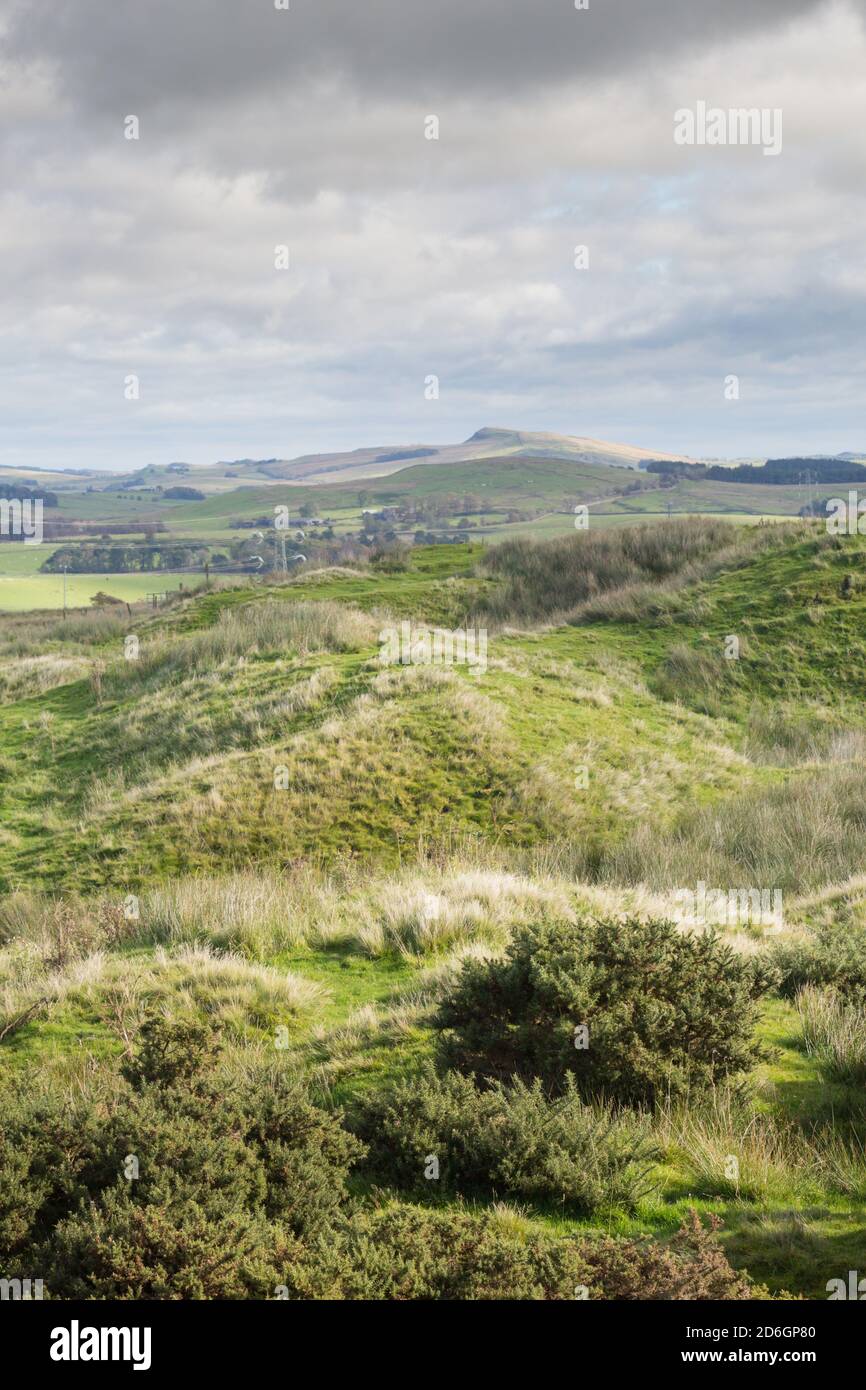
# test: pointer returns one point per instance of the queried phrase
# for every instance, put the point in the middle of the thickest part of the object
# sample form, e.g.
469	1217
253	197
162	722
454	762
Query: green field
22	587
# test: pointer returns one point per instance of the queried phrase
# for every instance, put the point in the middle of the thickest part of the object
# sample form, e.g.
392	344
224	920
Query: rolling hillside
314	840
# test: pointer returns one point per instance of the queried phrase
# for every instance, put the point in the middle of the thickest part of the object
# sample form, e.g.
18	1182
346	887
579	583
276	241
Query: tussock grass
436	906
796	835
410	913
43	634
254	913
608	574
26	676
325	575
732	1150
834	904
195	979
216	981
269	628
792	736
452	909
841	1161
834	1032
696	674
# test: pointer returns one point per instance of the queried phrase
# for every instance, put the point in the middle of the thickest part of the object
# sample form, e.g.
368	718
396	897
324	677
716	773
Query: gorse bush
119	1249
236	1187
404	1252
691	1266
170	1051
665	1012
174	1147
835	954
508	1140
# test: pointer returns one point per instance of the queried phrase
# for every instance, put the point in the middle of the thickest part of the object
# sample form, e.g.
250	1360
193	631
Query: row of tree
776	472
127	559
24	493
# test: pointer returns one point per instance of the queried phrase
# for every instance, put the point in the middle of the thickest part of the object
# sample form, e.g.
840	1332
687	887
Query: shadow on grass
798	1251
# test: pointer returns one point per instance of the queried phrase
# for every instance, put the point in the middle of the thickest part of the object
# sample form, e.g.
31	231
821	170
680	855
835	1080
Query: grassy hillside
313	841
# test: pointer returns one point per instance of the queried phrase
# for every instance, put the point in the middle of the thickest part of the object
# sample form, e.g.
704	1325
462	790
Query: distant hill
488	442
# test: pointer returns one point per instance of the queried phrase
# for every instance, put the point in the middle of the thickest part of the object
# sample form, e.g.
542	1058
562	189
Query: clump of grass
733	1150
269	628
413	912
633	574
790	736
834	1033
794	835
60	930
699	676
33	675
542	578
422	915
89	626
842	1164
254	913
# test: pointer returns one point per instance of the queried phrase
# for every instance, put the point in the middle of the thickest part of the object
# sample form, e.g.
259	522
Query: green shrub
304	1153
666	1012
690	1266
46	1143
262	1154
835	955
395	1252
509	1140
404	1252
117	1249
170	1052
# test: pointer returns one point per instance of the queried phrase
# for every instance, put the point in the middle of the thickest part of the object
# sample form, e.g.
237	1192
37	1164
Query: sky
148	316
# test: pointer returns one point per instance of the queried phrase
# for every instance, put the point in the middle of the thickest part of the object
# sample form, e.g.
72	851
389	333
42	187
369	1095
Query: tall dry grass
733	1150
272	627
795	835
834	1033
540	579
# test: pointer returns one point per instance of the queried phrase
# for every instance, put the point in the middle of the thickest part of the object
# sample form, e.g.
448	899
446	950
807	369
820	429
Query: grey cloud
150	53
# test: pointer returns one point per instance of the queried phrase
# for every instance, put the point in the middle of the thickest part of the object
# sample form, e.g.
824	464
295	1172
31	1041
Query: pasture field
23	587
